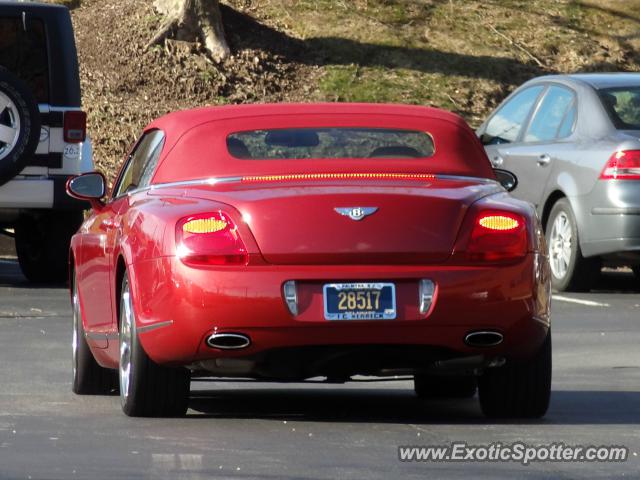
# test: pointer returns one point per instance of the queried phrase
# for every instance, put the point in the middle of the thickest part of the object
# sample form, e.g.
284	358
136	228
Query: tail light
497	236
622	165
75	126
210	239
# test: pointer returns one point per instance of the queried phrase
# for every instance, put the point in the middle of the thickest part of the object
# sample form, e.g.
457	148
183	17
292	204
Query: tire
89	378
146	388
19	125
570	271
518	389
438	386
42	244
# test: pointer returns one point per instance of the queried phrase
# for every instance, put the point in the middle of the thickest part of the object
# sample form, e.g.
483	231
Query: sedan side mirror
507	179
88	186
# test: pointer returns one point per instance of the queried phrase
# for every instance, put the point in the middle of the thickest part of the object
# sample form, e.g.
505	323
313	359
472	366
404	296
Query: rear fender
149	233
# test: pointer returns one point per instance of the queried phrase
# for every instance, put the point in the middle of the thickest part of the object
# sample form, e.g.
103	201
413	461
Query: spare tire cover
19	125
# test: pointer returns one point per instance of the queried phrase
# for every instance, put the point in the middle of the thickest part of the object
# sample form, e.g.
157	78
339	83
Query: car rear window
623	106
304	143
24	53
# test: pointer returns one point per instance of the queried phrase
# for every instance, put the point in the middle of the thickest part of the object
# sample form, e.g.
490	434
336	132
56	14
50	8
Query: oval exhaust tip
228	341
483	339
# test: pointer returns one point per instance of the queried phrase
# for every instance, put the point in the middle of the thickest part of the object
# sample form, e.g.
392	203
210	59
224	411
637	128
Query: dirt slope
463	55
126	86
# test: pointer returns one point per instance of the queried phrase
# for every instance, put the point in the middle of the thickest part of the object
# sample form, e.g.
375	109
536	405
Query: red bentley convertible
288	242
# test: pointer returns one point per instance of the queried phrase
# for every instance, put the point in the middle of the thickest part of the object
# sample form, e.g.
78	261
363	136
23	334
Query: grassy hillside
458	54
462	55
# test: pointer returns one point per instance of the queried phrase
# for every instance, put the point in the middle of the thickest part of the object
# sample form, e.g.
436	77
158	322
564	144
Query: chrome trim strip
102	335
154	326
469	178
217	180
186	183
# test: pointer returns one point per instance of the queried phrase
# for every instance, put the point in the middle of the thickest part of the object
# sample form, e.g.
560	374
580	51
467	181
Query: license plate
359	301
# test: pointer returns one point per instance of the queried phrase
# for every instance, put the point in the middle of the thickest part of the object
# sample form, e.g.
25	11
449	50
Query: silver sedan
574	143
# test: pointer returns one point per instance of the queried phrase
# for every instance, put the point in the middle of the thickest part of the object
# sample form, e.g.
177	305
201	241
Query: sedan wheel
569	269
560	245
89	378
146	388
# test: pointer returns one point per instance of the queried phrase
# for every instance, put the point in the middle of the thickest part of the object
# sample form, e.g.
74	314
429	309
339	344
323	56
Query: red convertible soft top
196	140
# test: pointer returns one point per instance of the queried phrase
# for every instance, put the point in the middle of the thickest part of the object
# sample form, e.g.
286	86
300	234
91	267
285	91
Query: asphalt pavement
273	431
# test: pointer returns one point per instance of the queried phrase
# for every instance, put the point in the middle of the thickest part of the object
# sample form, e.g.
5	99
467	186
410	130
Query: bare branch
518	46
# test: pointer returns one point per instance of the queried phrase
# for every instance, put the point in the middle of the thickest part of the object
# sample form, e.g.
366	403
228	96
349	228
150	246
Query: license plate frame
388	311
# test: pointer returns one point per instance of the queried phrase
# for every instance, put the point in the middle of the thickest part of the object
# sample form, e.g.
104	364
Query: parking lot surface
309	431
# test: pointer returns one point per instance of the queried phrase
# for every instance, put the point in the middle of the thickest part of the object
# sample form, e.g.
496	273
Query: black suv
42	135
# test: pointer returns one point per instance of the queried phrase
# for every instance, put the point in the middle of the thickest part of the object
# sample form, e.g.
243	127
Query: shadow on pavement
11	276
617	281
394	405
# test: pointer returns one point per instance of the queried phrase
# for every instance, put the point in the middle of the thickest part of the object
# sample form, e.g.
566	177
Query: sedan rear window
347	142
623	106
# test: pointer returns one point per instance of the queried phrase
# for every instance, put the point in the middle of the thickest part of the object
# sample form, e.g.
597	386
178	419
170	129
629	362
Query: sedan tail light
497	236
210	239
622	165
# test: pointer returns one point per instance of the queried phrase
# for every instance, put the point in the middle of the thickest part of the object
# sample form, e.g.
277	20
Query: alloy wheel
560	245
126	336
74	339
9	125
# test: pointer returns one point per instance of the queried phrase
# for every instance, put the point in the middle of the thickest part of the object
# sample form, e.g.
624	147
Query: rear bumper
609	218
178	307
613	231
25	193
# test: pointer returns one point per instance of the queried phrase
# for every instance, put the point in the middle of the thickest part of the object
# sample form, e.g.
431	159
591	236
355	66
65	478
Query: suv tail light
622	165
497	236
75	126
210	239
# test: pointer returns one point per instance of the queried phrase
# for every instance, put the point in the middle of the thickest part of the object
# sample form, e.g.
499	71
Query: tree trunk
193	20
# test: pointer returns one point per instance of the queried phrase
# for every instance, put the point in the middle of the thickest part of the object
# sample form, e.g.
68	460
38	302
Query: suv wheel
42	244
19	125
569	269
520	389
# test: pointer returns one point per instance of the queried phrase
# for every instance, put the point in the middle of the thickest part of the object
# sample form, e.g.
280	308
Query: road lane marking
190	462
163	462
588	303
